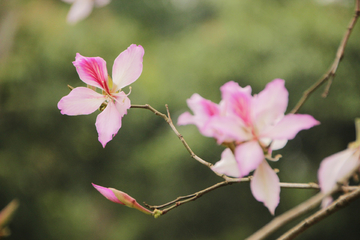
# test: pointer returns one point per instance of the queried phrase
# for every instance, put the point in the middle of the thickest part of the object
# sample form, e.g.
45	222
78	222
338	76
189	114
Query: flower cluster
112	101
251	126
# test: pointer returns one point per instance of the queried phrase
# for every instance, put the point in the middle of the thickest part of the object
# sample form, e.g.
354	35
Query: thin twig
191	197
341	202
168	119
330	74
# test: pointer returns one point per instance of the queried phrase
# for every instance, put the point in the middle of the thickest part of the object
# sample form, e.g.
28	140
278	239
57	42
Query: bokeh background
48	161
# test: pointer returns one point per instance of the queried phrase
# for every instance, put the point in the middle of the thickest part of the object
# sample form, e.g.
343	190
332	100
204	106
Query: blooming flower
256	125
92	70
120	197
81	9
338	167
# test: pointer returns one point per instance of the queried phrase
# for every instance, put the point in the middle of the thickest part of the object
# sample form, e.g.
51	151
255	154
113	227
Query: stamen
129	91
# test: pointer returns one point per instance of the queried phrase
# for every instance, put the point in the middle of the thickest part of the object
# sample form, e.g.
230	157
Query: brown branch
168	119
286	217
192	197
330	74
304	207
341	202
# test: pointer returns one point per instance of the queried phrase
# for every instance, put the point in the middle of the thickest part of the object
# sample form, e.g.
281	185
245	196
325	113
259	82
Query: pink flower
256	125
120	197
92	70
81	9
338	168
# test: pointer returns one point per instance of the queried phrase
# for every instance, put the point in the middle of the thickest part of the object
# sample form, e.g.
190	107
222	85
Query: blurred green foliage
48	160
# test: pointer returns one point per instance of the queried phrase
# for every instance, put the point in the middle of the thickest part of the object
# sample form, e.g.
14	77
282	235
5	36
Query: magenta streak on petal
93	69
241	107
210	108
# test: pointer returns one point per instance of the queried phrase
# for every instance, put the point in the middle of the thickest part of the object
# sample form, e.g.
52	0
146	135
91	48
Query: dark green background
48	160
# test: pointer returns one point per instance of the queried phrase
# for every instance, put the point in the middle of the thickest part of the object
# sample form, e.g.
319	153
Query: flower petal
92	71
270	104
122	103
289	126
265	186
128	66
237	100
108	193
248	156
203	110
337	166
108	123
80	100
101	3
227	129
227	165
79	10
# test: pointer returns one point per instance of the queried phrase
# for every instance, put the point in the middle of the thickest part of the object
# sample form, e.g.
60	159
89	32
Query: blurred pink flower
120	197
256	125
127	68
81	9
338	168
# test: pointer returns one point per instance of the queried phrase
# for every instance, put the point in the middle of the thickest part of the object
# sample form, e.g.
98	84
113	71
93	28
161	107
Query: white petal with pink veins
289	126
265	186
248	155
337	166
108	123
79	101
128	66
227	164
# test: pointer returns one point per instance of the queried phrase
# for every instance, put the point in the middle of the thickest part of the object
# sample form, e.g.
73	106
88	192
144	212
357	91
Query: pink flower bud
120	197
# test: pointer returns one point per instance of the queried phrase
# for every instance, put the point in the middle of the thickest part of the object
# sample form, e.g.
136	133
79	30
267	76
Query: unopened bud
120	197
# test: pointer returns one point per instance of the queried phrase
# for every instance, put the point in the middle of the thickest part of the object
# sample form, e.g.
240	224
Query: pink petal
108	123
227	129
265	186
80	100
203	110
337	166
248	155
122	103
270	104
92	71
128	66
79	10
106	192
227	165
289	126
237	100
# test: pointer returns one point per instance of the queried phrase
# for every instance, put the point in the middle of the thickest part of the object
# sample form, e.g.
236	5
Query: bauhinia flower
112	101
339	167
81	9
253	126
120	197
